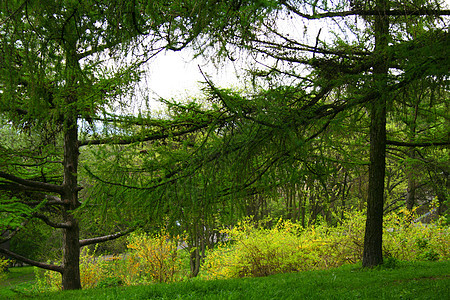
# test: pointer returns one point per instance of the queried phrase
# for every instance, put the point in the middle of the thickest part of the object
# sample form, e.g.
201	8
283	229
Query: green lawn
19	282
418	280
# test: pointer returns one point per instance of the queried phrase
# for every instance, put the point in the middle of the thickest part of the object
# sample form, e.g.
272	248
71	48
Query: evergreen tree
55	75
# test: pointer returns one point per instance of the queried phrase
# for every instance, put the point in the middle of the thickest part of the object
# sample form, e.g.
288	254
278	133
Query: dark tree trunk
411	190
373	255
71	243
373	238
195	262
71	256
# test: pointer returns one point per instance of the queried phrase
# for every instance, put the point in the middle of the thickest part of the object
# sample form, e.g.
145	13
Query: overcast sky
177	75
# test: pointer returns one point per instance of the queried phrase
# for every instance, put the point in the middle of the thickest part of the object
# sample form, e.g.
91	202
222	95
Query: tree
346	64
366	66
54	73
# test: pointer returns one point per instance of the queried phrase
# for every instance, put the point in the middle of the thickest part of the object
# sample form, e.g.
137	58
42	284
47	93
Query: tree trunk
195	262
373	238
71	256
411	190
71	243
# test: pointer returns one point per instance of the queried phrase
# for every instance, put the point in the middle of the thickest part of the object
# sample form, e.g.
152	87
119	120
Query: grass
407	280
19	281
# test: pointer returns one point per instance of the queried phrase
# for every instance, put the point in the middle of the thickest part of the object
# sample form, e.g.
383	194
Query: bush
152	258
93	270
410	241
3	268
110	282
254	251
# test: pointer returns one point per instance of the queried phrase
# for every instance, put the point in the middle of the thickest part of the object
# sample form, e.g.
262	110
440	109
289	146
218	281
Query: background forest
342	119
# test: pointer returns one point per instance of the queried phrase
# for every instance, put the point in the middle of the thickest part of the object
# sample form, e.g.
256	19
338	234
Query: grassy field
19	283
418	280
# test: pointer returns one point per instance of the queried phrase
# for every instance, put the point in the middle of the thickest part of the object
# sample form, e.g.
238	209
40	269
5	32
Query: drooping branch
5	238
126	140
424	144
369	12
49	222
13	13
35	185
105	238
31	262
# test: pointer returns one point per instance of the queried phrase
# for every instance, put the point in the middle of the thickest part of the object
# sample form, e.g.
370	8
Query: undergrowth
151	258
251	250
3	268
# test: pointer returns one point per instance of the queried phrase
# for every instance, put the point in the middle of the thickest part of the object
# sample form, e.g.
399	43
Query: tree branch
4	239
105	238
38	264
134	139
13	13
370	12
425	144
49	222
36	185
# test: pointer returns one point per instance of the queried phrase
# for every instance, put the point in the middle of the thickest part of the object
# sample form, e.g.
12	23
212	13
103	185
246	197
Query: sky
177	75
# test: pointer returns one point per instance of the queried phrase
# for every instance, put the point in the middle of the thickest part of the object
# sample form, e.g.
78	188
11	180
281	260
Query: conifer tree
63	64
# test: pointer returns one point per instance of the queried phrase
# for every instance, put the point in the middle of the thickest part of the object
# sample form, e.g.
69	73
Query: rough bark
71	245
373	238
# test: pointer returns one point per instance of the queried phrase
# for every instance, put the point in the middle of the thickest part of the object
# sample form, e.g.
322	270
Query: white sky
177	75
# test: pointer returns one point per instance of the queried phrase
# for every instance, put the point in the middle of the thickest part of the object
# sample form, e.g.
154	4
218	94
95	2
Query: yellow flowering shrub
3	268
406	240
255	251
152	258
47	280
93	270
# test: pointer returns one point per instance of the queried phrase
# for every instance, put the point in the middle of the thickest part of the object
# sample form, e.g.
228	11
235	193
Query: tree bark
71	245
411	189
373	238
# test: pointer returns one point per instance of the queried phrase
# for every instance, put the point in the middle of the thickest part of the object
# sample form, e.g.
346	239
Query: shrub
152	258
3	268
410	241
93	270
255	251
47	280
110	282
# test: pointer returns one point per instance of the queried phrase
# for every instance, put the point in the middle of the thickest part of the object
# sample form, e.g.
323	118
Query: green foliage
3	268
12	212
256	251
410	241
37	241
109	282
47	280
93	270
